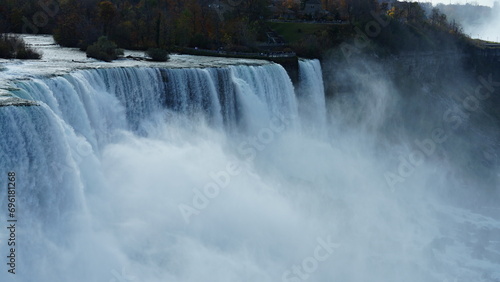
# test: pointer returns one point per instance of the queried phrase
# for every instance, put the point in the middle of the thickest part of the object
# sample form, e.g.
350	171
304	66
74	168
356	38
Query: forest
234	25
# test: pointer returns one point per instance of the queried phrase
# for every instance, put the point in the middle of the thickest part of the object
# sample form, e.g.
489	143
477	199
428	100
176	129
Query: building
386	5
313	8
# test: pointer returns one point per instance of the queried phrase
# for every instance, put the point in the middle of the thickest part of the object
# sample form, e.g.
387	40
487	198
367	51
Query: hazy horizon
488	3
477	26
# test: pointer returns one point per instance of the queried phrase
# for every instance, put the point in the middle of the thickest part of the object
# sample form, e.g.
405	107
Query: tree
106	13
256	9
437	18
414	12
158	55
104	50
15	47
69	30
358	10
410	12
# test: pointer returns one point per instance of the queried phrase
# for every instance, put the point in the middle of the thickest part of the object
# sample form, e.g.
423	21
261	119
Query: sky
479	2
483	28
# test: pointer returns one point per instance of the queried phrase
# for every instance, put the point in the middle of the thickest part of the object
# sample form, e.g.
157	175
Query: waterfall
311	96
220	174
96	102
56	149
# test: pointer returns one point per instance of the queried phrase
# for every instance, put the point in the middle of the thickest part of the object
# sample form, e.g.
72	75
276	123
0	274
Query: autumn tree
291	4
437	18
70	25
358	10
106	14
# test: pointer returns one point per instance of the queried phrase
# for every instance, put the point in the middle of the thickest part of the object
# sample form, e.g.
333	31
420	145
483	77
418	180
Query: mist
476	22
486	30
260	180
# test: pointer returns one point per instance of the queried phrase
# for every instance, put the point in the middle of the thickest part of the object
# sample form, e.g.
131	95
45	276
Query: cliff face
6	99
412	97
424	65
408	67
421	91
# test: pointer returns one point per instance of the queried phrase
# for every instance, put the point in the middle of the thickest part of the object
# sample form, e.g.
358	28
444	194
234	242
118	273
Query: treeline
384	30
140	24
236	25
418	29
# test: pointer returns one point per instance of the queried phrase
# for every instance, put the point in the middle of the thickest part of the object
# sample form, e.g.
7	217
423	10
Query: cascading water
217	174
312	98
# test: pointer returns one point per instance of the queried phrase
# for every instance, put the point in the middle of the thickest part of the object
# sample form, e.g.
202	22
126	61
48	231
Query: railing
489	50
242	54
336	22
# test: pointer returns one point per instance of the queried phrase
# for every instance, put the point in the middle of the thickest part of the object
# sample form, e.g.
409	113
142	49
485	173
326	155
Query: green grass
293	32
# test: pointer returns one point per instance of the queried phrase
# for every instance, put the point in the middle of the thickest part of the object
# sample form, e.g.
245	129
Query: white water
128	175
312	99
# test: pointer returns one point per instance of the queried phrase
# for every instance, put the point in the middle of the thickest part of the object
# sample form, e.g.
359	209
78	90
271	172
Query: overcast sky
488	30
479	2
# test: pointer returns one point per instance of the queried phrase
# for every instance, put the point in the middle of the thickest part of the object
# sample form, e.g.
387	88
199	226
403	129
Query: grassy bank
294	31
